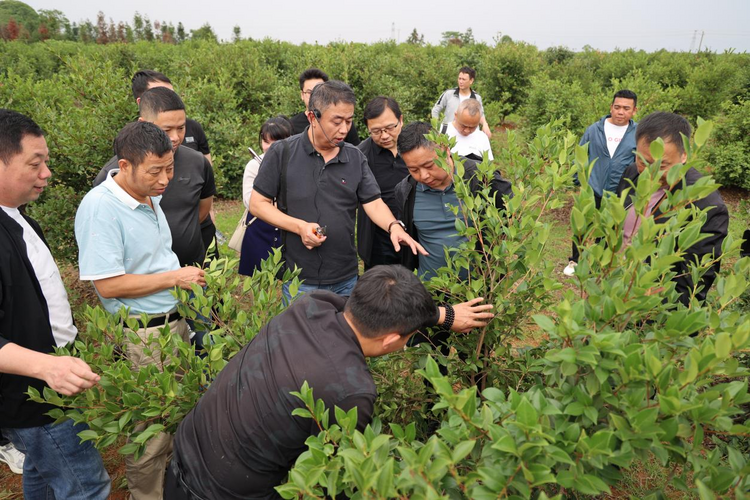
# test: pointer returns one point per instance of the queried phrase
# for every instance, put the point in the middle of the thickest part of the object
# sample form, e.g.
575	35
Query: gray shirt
326	193
436	226
193	181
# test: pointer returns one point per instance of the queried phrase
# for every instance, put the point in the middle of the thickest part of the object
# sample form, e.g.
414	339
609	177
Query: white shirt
251	172
475	143
614	134
48	276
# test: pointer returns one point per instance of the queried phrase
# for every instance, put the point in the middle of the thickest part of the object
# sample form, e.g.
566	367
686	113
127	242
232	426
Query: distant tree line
19	21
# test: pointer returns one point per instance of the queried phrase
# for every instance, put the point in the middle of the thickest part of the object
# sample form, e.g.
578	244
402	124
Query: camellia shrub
621	370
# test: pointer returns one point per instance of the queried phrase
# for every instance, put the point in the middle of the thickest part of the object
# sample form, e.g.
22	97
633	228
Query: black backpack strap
281	201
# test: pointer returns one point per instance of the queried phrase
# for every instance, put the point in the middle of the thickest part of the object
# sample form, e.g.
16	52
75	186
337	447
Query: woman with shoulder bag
260	237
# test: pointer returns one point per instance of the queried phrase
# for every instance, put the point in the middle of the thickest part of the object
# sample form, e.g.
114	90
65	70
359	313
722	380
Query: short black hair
626	94
14	126
669	126
413	137
143	78
275	129
390	299
377	106
311	74
139	139
329	94
158	100
469	71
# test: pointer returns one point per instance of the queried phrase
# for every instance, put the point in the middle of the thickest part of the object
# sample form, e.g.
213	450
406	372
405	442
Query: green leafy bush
624	375
730	152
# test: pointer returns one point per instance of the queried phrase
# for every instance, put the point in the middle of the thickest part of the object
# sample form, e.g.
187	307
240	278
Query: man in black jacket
35	318
384	121
670	128
424	198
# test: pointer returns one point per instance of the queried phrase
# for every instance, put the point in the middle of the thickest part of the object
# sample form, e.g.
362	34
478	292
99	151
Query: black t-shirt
241	438
193	181
195	137
300	123
324	193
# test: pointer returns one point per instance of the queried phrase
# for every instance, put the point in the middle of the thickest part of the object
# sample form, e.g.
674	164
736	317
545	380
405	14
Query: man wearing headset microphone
317	181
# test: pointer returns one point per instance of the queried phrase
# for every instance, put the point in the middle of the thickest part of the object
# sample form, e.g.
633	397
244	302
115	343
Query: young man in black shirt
384	122
308	80
195	139
241	439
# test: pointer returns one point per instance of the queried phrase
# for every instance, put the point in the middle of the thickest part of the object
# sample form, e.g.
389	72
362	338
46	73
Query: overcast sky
604	25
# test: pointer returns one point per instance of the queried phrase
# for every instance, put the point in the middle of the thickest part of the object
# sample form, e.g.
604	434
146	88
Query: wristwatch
396	222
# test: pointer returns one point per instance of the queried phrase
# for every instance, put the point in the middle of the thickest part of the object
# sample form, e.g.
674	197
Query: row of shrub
80	94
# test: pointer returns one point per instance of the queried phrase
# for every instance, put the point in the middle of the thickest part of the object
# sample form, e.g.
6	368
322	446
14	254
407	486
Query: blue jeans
343	288
58	466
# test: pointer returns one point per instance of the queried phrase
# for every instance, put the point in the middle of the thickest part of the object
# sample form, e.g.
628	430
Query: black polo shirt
195	137
326	193
241	439
300	123
388	170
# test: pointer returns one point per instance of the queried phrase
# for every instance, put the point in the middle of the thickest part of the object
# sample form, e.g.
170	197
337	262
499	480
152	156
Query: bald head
467	117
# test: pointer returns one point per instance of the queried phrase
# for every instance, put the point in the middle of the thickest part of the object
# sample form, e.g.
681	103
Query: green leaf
526	414
723	345
703	132
657	148
462	450
703	491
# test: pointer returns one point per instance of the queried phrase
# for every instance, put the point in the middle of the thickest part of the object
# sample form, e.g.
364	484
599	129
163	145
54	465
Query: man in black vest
35	317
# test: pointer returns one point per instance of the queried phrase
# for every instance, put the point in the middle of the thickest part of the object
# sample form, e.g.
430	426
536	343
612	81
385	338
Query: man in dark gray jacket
611	143
670	128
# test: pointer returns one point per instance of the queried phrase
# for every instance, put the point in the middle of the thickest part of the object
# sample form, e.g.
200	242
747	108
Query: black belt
161	320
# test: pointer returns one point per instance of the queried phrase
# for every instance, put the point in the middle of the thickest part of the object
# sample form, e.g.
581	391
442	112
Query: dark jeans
576	253
57	465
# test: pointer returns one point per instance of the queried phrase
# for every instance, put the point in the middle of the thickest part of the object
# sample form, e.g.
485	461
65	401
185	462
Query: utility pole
393	31
701	42
692	42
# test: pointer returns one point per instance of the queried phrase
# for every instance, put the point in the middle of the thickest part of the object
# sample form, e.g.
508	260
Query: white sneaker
14	458
570	269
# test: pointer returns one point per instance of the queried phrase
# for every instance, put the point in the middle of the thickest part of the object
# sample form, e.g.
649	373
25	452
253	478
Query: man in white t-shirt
470	141
611	143
35	317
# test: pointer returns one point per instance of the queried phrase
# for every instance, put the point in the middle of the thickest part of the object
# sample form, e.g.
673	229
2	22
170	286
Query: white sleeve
251	172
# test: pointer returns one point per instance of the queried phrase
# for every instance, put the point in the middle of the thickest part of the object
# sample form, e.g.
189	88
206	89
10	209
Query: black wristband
450	316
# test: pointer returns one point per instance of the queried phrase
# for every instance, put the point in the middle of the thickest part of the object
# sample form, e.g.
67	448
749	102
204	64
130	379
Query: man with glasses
384	121
470	142
308	80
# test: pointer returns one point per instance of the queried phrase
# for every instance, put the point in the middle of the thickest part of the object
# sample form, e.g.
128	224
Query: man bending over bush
241	439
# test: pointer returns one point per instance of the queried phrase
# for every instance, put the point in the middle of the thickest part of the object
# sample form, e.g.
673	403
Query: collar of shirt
427	189
309	149
378	151
120	193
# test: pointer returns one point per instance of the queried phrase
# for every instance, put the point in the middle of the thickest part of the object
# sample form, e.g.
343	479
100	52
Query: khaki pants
146	475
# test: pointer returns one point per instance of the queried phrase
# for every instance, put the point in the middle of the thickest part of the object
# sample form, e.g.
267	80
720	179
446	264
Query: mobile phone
320	231
255	155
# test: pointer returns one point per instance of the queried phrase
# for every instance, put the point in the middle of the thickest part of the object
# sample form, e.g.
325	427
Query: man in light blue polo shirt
125	249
